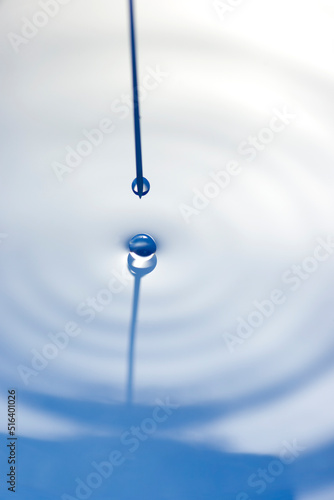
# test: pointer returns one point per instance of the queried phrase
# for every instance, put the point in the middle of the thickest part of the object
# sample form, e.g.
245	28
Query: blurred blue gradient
209	85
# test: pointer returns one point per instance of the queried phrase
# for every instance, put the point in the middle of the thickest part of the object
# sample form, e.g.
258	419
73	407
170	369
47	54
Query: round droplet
142	246
146	186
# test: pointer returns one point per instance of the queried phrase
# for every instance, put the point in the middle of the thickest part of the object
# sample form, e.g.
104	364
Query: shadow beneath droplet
138	268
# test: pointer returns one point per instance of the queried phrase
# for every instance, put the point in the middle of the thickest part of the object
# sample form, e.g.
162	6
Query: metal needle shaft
139	162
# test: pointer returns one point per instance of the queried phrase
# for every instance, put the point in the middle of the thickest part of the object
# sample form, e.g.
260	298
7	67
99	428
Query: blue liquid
142	245
146	186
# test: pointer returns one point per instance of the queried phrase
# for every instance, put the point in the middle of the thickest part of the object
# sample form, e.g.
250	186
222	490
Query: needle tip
140	186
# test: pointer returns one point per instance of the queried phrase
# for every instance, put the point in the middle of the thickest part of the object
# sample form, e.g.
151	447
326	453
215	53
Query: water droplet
142	246
146	186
